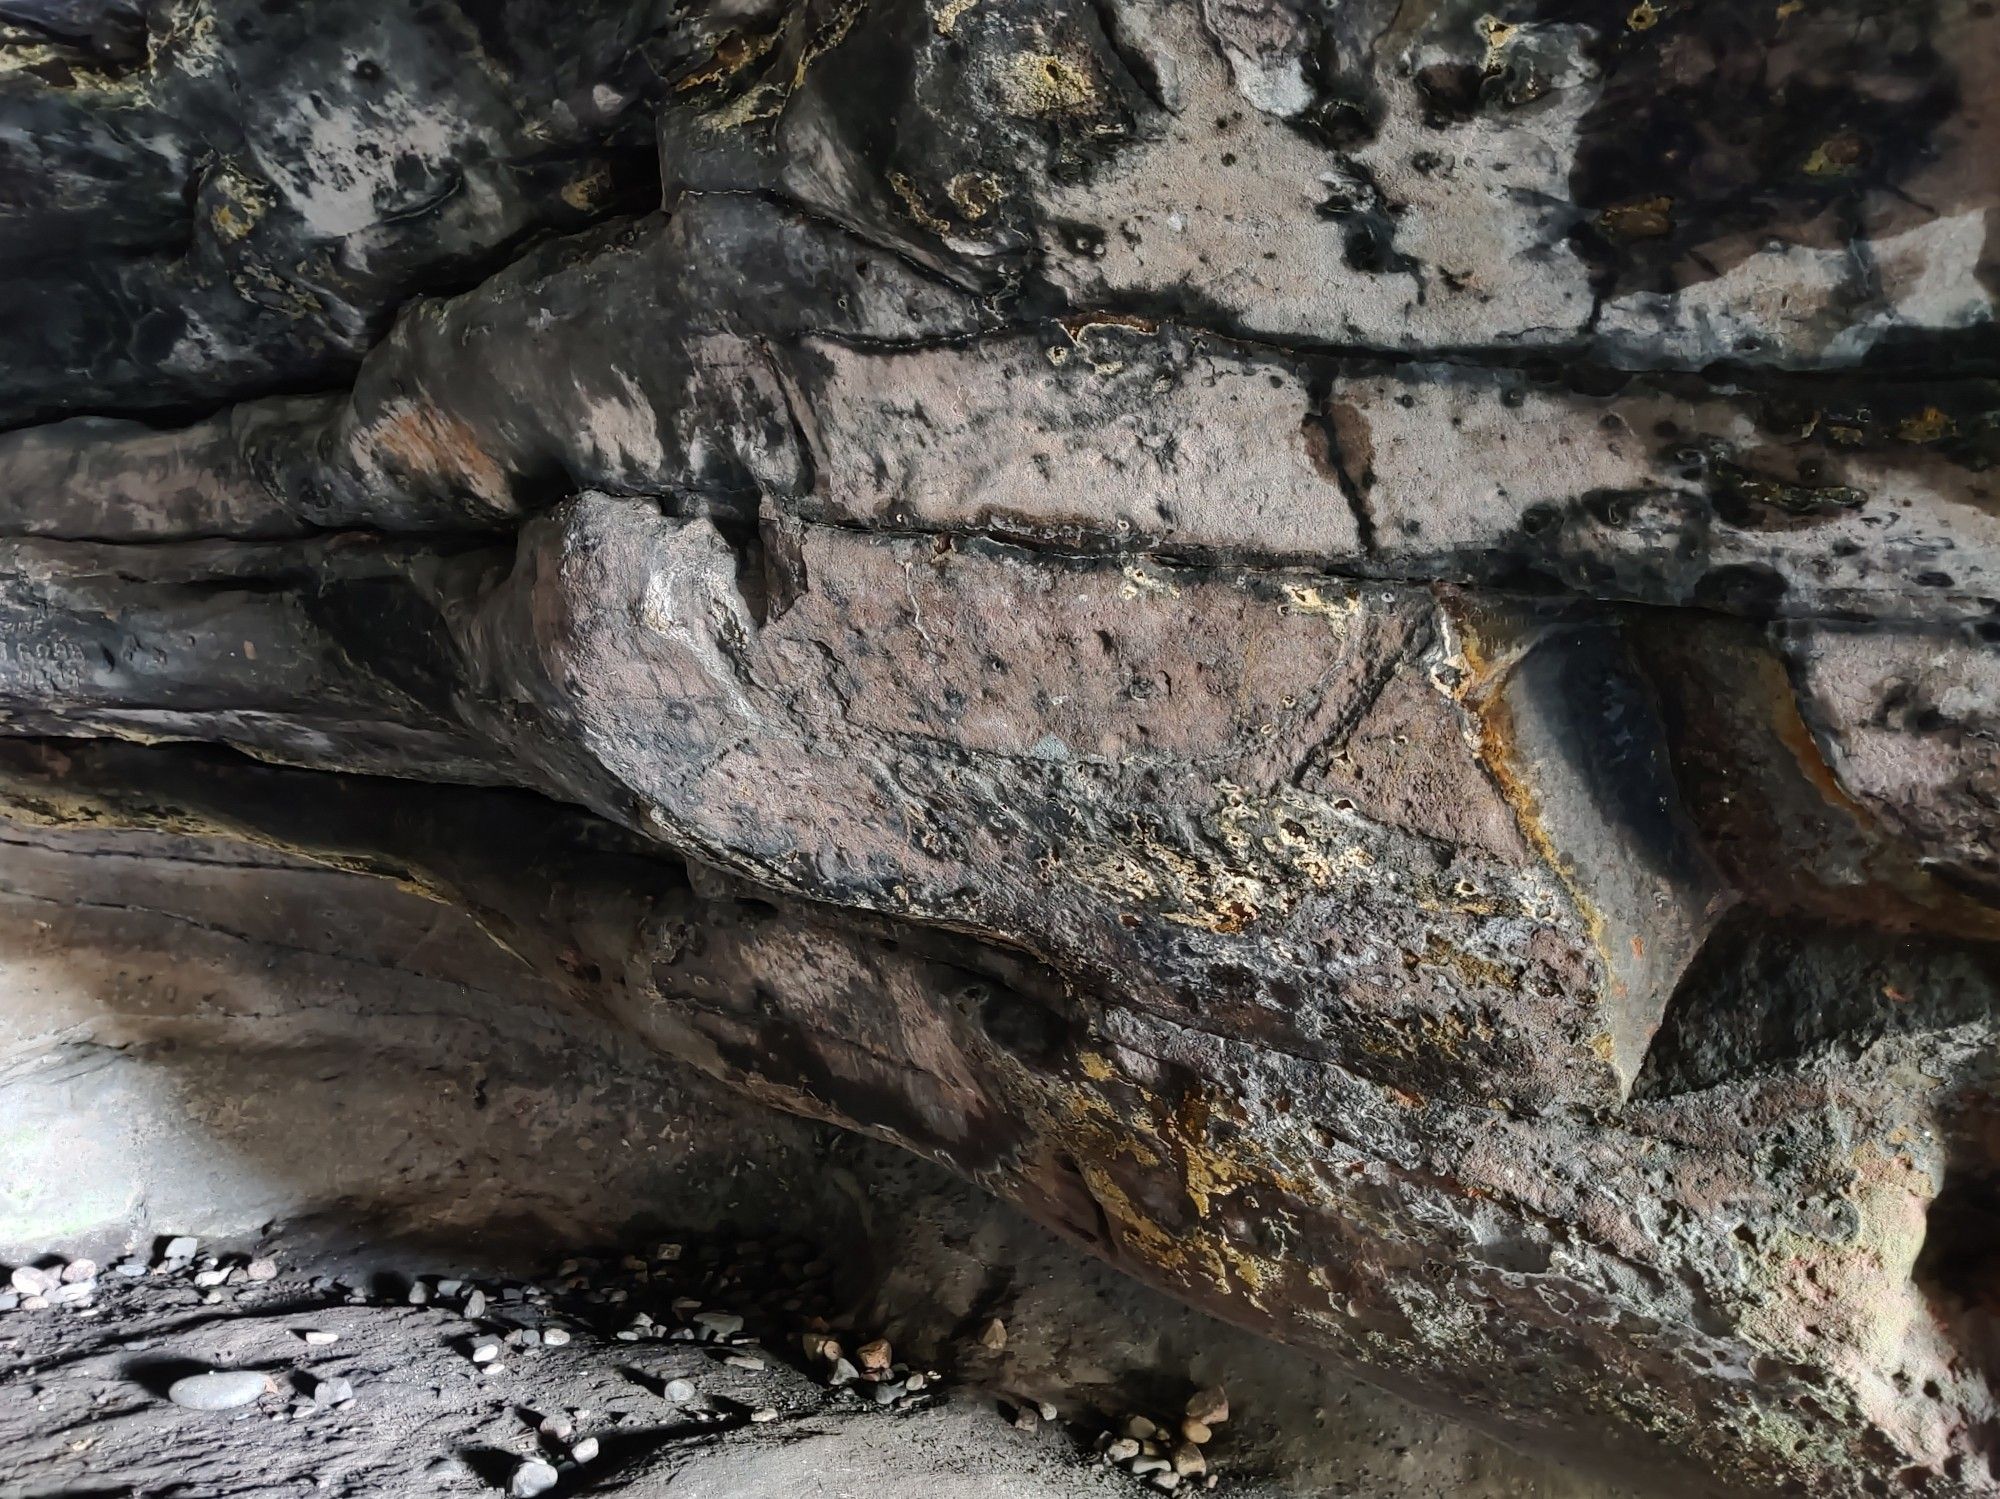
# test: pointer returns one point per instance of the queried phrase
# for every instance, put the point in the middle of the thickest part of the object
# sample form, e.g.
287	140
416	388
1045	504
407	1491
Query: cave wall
1349	650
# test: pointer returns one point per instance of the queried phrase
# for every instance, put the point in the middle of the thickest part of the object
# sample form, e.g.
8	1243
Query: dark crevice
1768	993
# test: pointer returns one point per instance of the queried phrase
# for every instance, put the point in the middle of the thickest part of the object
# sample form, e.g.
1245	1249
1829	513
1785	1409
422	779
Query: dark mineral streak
1351	650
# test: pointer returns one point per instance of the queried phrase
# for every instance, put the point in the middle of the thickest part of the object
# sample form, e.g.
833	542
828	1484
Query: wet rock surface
1348	651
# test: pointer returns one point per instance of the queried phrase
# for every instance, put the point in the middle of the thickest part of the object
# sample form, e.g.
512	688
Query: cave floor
84	1408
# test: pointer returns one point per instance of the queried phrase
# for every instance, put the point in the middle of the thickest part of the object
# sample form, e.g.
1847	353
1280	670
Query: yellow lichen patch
1095	1067
585	192
976	193
1837	155
764	102
946	16
1643	17
1079	323
913	202
244	202
1176	885
430	442
1139	582
1096	1135
1303	598
1419	1035
1928	425
1643	218
1498	35
1473	970
1041	84
830	35
265	287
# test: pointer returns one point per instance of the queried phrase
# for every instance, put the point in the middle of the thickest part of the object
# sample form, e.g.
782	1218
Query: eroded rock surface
1351	651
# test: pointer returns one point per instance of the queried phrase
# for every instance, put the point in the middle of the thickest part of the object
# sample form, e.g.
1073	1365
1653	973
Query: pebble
875	1357
1027	1418
531	1476
419	1294
29	1281
34	1303
131	1269
475	1304
485	1349
217	1390
843	1373
319	1338
555	1337
206	1279
1167	1480
584	1450
993	1335
450	1287
763	1414
333	1391
1209	1406
1123	1450
1046	1407
719	1324
1188	1461
1140	1427
1197	1431
182	1247
79	1270
681	1391
744	1361
263	1268
9	1300
557	1428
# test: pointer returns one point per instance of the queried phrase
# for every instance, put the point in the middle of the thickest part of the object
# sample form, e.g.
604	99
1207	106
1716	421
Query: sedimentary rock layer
1351	651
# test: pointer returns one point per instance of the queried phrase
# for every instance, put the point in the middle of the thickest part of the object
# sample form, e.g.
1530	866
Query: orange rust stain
429	442
1796	737
1901	890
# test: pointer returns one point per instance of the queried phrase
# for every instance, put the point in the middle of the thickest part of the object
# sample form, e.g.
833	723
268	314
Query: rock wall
1349	650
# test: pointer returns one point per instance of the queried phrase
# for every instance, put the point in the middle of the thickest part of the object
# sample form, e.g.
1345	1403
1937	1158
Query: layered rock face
1353	651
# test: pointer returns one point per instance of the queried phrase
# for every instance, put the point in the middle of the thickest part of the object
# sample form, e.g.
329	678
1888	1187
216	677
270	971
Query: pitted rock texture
1349	650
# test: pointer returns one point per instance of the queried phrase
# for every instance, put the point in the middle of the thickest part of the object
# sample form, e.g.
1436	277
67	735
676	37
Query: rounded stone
217	1390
